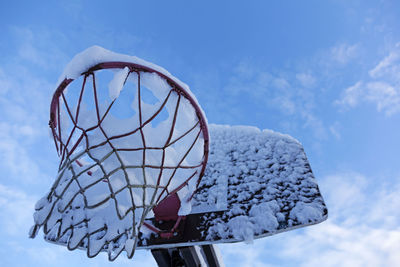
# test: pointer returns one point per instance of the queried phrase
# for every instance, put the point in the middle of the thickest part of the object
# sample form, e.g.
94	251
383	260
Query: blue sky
325	72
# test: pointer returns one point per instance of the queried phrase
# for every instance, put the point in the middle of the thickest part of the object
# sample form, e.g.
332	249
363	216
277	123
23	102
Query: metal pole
191	256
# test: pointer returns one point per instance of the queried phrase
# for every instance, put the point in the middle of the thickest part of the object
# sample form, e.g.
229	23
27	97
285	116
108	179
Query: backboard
140	168
258	182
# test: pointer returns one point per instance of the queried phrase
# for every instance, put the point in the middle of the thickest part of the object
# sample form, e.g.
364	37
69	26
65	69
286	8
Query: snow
186	206
158	86
263	216
304	212
96	54
267	180
117	83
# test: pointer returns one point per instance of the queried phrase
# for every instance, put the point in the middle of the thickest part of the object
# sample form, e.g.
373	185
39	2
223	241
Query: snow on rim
94	55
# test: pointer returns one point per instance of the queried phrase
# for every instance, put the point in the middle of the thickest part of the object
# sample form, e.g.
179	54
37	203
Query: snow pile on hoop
97	54
268	181
119	156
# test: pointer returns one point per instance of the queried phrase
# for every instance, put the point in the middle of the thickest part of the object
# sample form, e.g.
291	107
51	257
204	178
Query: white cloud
335	130
15	208
24	106
23	123
316	124
246	255
245	70
390	65
351	95
300	96
293	94
285	104
307	80
382	89
330	244
385	96
18	162
343	53
38	46
5	84
281	83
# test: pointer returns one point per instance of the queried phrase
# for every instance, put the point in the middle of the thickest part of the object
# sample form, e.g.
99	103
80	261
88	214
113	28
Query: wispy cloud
246	255
389	65
40	47
293	95
381	89
306	79
351	95
344	53
335	129
296	94
25	93
23	124
14	205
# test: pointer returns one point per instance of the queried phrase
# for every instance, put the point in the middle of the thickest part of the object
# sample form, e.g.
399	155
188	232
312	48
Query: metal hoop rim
136	67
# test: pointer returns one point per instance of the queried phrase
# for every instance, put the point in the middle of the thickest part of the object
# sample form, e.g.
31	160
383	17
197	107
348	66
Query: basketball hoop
134	145
114	172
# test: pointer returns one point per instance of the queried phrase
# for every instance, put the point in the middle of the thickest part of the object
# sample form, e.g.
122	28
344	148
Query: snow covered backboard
141	168
259	182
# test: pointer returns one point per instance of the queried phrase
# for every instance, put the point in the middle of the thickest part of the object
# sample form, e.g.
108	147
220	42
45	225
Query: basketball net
120	157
